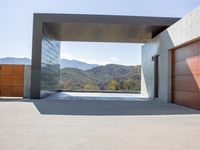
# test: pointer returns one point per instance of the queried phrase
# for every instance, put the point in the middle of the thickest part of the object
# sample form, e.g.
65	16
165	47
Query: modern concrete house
173	73
170	55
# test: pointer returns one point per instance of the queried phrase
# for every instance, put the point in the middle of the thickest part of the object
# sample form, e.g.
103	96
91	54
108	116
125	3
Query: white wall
185	30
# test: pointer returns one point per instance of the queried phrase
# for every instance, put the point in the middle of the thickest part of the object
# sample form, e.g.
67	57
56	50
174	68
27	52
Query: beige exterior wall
183	31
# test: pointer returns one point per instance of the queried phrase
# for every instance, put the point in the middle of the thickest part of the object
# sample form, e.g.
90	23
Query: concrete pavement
59	124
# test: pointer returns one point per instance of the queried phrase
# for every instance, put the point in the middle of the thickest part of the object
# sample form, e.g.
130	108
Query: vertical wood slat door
12	80
186	75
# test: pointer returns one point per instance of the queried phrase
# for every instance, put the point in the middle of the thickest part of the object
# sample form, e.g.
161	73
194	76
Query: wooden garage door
186	75
11	80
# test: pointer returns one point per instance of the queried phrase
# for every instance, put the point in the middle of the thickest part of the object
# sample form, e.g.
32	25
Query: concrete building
177	52
170	55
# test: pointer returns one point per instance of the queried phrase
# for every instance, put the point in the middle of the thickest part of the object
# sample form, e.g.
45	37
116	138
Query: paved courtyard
62	123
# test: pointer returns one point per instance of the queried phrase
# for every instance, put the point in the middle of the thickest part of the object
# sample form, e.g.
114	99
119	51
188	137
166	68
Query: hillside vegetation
106	78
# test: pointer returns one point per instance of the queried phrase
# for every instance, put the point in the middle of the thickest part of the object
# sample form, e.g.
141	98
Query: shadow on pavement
108	108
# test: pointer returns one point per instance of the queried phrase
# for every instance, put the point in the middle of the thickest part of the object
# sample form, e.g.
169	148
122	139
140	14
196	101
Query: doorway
156	76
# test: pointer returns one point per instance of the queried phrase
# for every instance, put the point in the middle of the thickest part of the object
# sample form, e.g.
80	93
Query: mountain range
100	77
63	63
14	60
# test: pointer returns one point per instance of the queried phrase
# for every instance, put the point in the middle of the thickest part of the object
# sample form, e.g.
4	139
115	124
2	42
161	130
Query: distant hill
113	71
13	60
76	76
65	63
102	77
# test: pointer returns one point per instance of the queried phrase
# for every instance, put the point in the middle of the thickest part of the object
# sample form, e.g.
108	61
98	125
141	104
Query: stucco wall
185	30
27	81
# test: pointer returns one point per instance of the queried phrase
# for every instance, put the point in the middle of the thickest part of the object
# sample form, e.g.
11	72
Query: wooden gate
11	80
186	75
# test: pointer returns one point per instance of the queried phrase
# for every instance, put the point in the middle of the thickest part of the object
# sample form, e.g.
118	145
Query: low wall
27	81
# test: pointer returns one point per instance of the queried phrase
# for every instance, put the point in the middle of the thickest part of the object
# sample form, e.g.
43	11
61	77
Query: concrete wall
183	31
45	68
27	81
36	58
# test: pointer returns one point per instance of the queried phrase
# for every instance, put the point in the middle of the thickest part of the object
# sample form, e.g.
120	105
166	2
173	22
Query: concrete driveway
59	124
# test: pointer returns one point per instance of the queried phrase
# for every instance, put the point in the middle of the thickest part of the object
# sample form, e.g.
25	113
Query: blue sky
17	16
102	53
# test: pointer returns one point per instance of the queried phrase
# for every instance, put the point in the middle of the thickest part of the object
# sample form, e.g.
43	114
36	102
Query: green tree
112	85
91	87
131	85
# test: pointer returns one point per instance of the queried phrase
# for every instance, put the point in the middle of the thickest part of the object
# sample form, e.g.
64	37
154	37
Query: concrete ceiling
103	28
